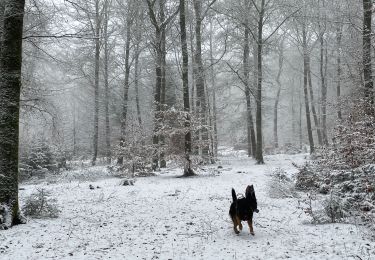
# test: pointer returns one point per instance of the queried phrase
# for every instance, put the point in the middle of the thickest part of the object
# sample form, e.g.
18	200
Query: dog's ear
249	190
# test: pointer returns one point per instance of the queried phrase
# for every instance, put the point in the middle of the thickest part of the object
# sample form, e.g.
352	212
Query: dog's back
243	209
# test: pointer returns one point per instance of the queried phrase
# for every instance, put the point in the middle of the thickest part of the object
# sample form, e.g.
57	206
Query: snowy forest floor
164	217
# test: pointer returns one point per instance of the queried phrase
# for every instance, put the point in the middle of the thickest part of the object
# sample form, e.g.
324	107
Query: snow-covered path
164	217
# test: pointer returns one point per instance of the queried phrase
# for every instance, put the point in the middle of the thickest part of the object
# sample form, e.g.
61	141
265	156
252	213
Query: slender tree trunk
106	85
213	86
305	91
276	106
125	100
74	129
323	89
2	8
96	84
10	88
313	110
201	98
259	149
157	96
300	123
338	87
367	62
185	86
193	100
136	84
163	64
251	143
293	134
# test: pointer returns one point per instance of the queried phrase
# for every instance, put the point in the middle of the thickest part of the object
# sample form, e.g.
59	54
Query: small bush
333	208
40	205
307	178
281	186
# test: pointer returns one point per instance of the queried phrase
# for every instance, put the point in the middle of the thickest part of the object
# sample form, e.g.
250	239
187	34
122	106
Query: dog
242	209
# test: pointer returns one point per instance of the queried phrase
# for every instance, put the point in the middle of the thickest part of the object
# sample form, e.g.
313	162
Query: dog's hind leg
239	223
250	222
235	224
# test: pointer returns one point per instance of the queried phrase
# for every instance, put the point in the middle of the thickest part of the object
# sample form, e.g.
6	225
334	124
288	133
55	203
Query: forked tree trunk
10	88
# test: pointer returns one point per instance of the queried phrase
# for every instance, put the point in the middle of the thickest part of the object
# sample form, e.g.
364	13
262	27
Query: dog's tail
234	196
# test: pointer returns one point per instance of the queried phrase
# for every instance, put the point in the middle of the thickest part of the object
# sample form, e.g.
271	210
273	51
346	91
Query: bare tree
201	103
305	91
129	23
160	51
277	99
251	141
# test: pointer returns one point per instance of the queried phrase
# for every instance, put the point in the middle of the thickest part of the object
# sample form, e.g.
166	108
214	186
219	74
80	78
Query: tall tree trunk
125	100
313	110
159	47
106	86
300	122
193	100
213	86
276	106
185	86
96	84
323	85
74	129
367	62
2	8
305	91
339	70
10	88
201	97
163	65
259	149
251	143
136	84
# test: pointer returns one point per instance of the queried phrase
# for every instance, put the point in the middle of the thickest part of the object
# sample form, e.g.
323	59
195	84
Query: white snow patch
164	217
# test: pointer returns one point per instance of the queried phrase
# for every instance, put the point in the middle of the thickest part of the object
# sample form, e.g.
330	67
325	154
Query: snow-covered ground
165	217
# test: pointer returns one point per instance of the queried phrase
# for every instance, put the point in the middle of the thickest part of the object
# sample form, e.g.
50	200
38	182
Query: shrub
281	186
40	205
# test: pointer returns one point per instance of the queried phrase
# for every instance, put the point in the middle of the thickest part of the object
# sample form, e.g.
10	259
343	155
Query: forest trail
165	217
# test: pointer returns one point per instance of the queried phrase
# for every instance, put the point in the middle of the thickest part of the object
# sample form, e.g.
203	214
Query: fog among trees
141	87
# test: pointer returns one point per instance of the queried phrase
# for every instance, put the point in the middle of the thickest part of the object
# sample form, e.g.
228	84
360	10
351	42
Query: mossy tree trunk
10	88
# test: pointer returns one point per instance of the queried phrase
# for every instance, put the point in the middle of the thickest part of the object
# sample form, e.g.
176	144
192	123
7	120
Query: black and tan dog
242	209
